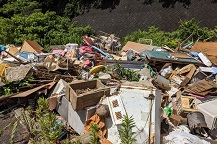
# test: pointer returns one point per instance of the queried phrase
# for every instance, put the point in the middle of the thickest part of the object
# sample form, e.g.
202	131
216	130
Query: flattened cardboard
175	119
31	46
12	51
136	46
208	48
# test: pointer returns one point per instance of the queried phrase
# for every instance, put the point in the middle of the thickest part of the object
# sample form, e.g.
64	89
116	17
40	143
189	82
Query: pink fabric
62	52
87	63
197	96
86	49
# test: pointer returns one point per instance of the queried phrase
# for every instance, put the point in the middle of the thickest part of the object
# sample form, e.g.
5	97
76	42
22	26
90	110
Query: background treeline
47	22
50	23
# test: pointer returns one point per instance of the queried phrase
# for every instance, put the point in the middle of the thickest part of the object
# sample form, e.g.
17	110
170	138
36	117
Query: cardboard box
86	99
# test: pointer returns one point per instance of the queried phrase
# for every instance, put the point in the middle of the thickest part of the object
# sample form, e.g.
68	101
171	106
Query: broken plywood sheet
28	92
137	46
202	87
17	73
184	75
163	56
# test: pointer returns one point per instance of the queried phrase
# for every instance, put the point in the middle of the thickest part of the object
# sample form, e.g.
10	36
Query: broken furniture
186	104
76	119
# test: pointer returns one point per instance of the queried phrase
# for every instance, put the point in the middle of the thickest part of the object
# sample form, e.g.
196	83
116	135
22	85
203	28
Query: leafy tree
186	28
47	29
24	7
158	37
172	39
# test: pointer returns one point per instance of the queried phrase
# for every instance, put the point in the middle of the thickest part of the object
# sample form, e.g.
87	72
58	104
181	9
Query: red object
86	49
87	40
87	63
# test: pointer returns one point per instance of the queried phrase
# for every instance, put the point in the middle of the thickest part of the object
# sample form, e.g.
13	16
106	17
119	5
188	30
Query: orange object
95	119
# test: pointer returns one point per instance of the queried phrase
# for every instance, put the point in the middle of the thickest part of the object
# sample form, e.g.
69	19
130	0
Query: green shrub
172	39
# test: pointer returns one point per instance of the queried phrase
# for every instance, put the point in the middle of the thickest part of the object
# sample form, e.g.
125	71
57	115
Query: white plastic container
204	59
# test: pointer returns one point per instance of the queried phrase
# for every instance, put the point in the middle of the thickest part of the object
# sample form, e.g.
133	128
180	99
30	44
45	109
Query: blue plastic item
2	48
214	70
190	44
194	54
102	52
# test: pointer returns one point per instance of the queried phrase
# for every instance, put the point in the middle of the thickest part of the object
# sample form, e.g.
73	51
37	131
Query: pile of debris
98	91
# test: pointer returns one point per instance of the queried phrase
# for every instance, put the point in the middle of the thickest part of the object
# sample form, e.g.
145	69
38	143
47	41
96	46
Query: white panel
135	103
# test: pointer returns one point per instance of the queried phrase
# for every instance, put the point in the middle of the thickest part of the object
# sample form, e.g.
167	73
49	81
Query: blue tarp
2	47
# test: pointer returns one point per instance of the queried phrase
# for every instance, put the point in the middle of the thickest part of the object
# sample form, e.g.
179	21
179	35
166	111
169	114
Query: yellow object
136	70
97	69
3	66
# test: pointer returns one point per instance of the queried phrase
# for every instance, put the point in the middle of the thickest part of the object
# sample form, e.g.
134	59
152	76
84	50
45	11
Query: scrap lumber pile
91	90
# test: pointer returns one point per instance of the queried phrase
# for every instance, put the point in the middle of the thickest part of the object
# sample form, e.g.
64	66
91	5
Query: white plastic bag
180	137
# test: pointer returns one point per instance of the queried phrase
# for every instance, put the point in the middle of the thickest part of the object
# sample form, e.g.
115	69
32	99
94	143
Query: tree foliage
45	28
39	21
172	39
23	7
